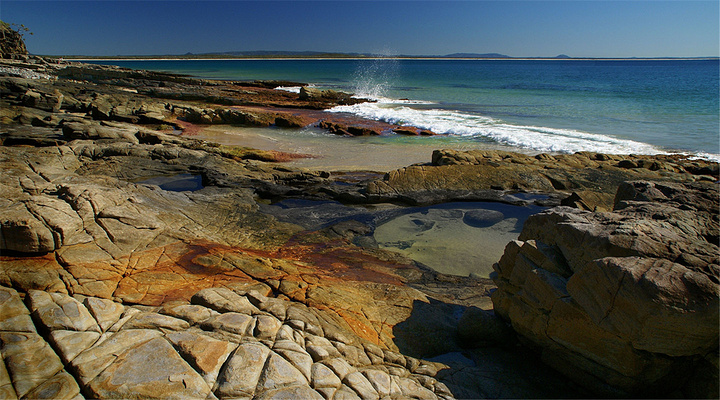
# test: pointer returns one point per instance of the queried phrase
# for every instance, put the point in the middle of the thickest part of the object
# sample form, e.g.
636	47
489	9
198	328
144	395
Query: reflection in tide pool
176	183
455	238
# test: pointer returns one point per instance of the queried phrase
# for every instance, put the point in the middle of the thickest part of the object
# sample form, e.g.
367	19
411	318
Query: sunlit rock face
624	300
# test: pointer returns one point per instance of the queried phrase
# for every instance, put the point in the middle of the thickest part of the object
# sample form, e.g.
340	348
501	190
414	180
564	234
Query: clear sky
517	28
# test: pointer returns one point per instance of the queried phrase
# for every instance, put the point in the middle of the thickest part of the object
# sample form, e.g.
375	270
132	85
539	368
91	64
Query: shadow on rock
483	356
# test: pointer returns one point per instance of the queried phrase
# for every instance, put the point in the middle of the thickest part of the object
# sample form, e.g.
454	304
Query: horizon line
331	56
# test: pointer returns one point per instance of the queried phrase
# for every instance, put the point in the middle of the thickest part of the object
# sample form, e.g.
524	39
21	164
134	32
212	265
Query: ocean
563	106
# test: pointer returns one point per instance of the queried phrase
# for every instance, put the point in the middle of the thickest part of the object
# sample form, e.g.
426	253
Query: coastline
257	258
179	58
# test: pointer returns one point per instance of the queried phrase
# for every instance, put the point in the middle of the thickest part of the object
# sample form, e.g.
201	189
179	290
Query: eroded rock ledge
623	301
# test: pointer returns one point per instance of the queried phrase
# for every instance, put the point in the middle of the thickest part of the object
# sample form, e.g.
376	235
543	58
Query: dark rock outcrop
11	42
582	180
626	301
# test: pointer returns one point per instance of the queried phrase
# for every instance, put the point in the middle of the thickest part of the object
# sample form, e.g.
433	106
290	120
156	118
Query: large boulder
625	302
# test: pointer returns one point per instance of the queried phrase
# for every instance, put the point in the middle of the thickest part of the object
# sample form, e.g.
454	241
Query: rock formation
11	42
221	344
136	261
583	180
625	301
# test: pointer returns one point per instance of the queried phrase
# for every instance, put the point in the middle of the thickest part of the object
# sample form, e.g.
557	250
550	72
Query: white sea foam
542	139
705	156
291	89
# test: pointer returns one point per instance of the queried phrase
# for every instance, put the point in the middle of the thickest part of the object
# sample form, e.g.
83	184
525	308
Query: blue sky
516	28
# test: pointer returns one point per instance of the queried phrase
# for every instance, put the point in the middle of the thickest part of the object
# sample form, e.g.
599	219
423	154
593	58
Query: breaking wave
538	138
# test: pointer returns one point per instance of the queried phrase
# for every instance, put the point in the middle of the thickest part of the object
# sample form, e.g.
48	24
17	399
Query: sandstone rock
62	386
314	94
290	393
411	131
14	316
71	343
658	305
30	360
192	313
296	355
6	388
44	101
151	320
152	370
324	377
621	300
361	385
380	381
237	323
479	327
206	355
488	175
12	43
279	372
60	311
266	327
96	359
223	300
106	312
240	376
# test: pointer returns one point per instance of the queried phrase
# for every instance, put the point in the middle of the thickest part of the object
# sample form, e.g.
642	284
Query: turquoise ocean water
610	106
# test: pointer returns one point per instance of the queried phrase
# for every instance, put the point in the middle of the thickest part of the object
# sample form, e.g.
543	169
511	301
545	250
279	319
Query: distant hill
476	55
280	53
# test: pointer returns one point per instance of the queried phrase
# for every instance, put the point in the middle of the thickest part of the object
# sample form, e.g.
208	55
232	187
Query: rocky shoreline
113	285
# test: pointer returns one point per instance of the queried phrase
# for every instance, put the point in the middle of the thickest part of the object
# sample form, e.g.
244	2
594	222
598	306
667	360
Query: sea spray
372	78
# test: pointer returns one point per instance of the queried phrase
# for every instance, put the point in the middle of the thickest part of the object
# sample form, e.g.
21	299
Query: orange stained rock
360	325
340	260
179	272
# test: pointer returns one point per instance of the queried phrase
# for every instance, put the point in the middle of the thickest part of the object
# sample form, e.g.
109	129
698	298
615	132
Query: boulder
623	301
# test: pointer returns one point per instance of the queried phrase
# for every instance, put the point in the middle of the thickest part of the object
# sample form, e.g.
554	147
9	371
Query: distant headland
271	54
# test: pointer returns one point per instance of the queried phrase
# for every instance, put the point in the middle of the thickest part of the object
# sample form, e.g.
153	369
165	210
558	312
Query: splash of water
373	78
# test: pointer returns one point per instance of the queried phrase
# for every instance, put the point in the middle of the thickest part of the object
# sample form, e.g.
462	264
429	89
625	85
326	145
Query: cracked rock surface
266	348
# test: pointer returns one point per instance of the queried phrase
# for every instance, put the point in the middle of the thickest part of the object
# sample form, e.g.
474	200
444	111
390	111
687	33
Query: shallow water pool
455	238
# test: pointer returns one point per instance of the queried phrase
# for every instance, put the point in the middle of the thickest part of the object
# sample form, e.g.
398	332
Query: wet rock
410	131
327	96
482	218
